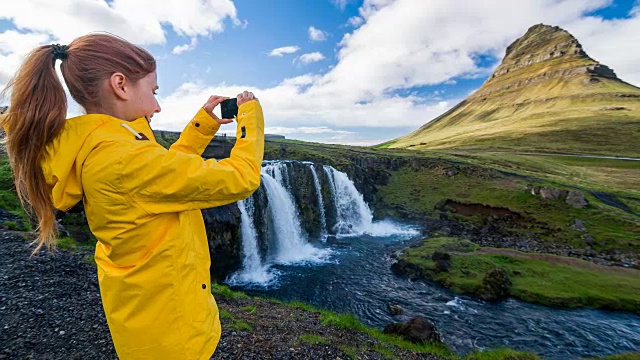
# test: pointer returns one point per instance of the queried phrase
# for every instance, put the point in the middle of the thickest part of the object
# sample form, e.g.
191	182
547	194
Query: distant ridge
546	95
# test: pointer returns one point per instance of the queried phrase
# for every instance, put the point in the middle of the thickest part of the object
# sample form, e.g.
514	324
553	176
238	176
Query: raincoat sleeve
162	181
197	134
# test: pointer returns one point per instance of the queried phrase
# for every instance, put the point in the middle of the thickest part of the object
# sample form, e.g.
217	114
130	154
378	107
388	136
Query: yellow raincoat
143	205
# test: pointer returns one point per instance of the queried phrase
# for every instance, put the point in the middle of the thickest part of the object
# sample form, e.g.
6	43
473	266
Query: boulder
576	199
549	193
578	225
442	260
394	309
410	270
417	330
496	285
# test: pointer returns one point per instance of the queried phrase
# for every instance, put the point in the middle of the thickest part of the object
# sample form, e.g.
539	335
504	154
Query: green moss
545	279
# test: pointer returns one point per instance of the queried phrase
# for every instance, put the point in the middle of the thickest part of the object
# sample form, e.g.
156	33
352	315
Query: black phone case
229	108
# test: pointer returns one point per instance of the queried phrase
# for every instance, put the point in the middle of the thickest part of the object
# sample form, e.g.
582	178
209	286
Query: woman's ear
120	86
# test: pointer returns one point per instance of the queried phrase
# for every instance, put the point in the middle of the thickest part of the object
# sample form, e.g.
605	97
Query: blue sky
377	69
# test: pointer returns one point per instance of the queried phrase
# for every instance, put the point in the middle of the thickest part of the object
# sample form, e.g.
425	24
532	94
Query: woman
142	201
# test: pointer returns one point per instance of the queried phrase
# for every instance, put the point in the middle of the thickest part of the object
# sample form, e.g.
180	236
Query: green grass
224	291
385	351
250	309
312	339
549	280
67	243
350	351
347	321
501	354
233	323
418	191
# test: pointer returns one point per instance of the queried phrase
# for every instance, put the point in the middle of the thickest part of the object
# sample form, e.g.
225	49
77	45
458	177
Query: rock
576	199
451	172
588	239
495	285
549	193
417	330
442	260
394	309
578	225
403	267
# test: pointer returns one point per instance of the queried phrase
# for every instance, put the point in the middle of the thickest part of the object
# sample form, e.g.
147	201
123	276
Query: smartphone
229	108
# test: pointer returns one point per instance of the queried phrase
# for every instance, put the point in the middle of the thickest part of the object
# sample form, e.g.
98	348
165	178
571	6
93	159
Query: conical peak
544	42
561	53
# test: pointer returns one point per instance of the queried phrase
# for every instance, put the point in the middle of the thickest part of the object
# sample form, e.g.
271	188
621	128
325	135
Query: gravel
50	308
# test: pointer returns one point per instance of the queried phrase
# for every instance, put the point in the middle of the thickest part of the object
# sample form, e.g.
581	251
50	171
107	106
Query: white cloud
432	42
355	21
13	46
393	45
311	57
284	50
43	22
139	21
316	34
287	105
612	42
340	4
185	47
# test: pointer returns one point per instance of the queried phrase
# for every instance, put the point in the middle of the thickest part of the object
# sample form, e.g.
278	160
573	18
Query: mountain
547	95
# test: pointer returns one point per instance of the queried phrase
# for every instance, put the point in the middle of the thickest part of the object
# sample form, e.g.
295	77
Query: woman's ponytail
36	115
38	109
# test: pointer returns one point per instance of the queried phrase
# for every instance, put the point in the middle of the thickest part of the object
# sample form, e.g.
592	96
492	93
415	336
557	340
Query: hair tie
59	51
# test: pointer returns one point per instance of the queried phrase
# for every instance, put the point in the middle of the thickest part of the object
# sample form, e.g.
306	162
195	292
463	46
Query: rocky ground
50	308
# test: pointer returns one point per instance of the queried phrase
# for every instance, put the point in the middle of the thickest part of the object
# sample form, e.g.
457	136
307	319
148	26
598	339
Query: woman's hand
245	97
211	104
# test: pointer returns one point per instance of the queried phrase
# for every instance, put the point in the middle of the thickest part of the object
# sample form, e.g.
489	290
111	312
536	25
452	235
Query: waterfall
353	213
252	268
291	242
323	218
284	240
